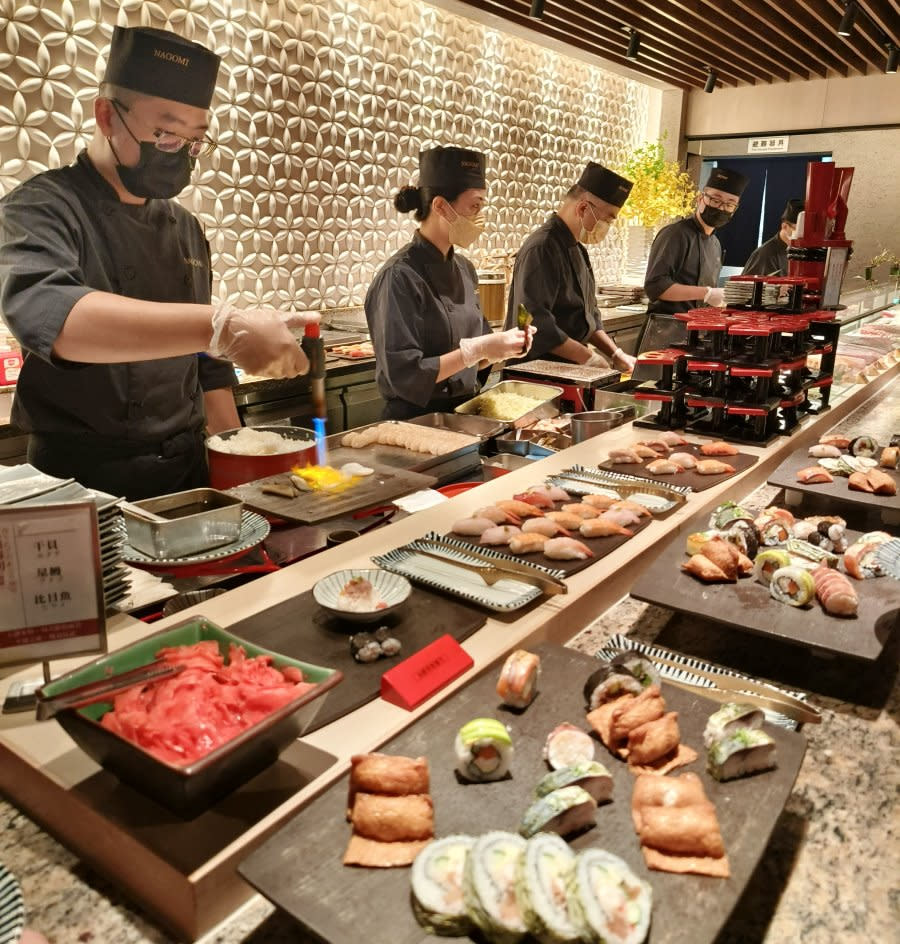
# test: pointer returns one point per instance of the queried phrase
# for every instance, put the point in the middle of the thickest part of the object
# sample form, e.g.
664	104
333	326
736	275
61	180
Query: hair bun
408	199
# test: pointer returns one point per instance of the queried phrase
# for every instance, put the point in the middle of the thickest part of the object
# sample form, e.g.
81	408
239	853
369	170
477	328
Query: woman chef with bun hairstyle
422	308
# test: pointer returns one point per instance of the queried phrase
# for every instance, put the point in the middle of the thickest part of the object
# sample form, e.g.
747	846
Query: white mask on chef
464	230
597	234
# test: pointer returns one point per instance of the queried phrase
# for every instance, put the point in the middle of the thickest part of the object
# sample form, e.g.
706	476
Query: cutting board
741	462
340	904
301	629
311	507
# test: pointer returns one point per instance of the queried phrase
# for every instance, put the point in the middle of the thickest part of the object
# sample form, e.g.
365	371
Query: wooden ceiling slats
864	40
870	29
886	13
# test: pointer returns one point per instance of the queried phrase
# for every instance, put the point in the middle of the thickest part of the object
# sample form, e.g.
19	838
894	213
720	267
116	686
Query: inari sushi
563	811
544	873
437	885
484	750
517	684
608	900
489	886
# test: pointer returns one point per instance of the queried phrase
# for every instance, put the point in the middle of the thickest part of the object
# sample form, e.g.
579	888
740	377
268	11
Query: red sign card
421	675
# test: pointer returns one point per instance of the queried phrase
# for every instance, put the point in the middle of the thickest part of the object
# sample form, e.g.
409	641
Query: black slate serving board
741	462
748	605
301	629
341	904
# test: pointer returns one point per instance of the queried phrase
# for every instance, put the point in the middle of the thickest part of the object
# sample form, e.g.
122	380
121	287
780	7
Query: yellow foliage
662	190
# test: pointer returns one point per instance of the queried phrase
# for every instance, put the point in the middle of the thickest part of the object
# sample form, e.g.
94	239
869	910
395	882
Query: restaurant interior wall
320	112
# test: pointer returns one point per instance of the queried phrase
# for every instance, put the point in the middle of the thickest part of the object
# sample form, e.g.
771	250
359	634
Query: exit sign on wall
778	142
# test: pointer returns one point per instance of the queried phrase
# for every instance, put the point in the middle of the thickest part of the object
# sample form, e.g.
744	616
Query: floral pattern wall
320	112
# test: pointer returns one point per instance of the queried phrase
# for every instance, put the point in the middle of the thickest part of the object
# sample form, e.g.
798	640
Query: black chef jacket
769	259
681	254
554	280
133	429
418	307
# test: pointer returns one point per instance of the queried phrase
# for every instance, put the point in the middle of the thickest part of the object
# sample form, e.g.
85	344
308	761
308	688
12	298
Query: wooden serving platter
741	462
338	904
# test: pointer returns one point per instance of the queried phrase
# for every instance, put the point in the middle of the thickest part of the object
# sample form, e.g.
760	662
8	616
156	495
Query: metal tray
549	399
657	497
579	375
532	442
494	466
479	426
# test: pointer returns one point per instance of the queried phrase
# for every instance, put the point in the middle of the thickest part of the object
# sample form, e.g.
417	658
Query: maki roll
767	562
744	536
608	901
517	684
792	585
864	446
861	558
489	886
437	886
639	666
566	745
544	874
741	752
563	811
727	514
730	718
773	529
483	750
607	683
589	775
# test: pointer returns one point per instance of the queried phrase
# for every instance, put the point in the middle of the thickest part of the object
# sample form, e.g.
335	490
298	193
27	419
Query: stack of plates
739	293
22	485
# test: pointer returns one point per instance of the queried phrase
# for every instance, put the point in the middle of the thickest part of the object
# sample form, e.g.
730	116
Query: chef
106	283
685	260
771	257
429	333
554	280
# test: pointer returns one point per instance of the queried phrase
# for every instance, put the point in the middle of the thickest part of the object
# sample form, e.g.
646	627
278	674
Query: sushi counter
814	882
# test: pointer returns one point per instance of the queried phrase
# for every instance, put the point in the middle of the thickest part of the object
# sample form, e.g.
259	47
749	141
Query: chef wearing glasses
106	283
685	260
771	257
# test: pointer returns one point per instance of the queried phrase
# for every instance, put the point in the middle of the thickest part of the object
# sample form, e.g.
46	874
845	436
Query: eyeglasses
718	204
170	141
597	211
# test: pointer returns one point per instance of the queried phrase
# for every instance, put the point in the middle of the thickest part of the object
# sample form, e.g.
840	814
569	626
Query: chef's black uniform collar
565	234
105	190
434	254
699	227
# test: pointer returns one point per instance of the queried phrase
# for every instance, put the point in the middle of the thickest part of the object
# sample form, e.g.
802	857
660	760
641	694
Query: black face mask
715	218
158	174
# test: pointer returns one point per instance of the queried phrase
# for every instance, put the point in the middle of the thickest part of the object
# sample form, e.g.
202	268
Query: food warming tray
479	426
339	904
548	398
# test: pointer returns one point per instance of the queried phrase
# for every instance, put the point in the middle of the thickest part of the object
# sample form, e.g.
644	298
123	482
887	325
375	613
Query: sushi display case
338	903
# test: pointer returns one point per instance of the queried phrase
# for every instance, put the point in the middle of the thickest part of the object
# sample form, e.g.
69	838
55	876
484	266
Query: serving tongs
728	688
92	692
492	569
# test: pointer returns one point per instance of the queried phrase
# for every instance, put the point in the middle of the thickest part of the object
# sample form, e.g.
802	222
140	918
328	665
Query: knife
515	571
805	714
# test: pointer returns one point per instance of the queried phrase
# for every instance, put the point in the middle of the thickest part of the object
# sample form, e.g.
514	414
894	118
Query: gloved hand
495	347
715	297
259	340
623	361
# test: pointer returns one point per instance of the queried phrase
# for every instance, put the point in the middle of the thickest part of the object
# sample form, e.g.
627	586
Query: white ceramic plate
12	908
254	529
393	589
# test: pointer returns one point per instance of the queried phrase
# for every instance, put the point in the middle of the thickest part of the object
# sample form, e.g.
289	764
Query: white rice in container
255	442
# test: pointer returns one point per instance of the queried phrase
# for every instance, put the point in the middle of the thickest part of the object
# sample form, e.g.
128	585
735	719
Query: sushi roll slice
588	774
767	562
437	886
489	887
483	750
608	900
792	585
567	745
890	457
608	682
864	446
564	811
544	874
639	666
773	530
730	718
739	753
517	684
727	513
744	536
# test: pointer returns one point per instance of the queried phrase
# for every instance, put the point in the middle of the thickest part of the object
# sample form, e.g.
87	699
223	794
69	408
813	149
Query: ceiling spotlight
893	55
848	19
634	45
711	79
537	9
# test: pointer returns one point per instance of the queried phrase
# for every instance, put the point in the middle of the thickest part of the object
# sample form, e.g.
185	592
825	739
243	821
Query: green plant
882	257
662	190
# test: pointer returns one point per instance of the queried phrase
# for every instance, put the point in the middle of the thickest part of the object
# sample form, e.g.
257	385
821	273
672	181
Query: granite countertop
825	876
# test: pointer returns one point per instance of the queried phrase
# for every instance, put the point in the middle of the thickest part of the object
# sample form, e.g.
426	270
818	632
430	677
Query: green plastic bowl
191	789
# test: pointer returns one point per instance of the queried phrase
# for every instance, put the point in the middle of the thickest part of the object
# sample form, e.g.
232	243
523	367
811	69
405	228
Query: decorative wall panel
320	112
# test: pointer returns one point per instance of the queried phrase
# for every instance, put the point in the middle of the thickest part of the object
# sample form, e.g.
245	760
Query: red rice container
227	469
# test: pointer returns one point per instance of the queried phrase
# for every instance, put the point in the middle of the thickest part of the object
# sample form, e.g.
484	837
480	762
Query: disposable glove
715	297
623	361
259	340
491	348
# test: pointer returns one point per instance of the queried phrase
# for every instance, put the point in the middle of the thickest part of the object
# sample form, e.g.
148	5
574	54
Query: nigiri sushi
645	452
835	592
565	519
719	448
713	467
537	498
602	528
623	517
828	439
581	509
527	543
824	451
598	501
495	514
684	459
472	527
566	549
658	445
640	510
545	526
814	475
664	467
624	457
554	491
500	534
518	508
671	438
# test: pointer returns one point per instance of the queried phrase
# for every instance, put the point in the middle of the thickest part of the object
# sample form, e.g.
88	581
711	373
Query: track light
848	19
537	9
711	80
893	56
634	45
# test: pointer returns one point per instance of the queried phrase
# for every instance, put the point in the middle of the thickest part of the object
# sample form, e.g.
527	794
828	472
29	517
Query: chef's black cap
451	168
163	64
792	210
604	184
727	180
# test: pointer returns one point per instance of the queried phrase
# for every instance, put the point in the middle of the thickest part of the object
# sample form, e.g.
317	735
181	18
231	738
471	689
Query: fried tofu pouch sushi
388	774
393	818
